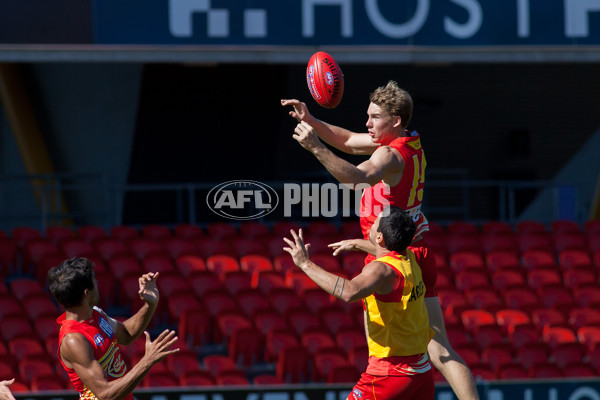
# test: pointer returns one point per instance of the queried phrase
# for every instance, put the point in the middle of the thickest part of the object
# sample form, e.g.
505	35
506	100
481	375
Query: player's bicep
78	352
361	143
383	163
374	277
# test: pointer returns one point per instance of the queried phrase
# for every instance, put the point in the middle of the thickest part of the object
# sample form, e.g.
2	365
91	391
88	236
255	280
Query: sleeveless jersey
100	333
407	194
397	323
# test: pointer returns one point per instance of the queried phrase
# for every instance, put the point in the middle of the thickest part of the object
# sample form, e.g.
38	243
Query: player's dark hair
395	101
397	227
69	280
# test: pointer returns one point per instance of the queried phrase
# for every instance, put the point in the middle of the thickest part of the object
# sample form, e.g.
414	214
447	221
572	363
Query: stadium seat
217	363
557	297
15	326
23	234
445	279
197	378
317	300
564	226
508	278
36	306
472	279
246	346
463	243
453	302
284	300
579	277
253	263
270	321
121	265
498	260
482	372
10	306
327	362
123	232
300	282
462	228
545	370
188	264
142	247
497	355
58	233
46	382
218	302
91	232
557	335
35	248
328	262
24	287
171	283
232	378
567	353
316	341
587	296
485	299
570	241
277	341
523	336
593	241
158	262
156	379
589	337
30	368
520	298
219	264
229	322
488	335
462	260
537	279
547	317
45	326
292	364
535	241
188	231
508	319
530	226
283	263
533	259
302	321
348	339
236	281
195	326
266	379
353	263
254	229
20	347
221	230
110	247
532	353
178	247
496	228
584	316
252	302
203	281
78	247
8	255
154	231
512	371
250	246
579	370
336	320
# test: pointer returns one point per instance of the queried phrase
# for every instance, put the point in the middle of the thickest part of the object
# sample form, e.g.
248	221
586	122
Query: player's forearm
136	325
333	284
365	245
333	135
343	171
120	388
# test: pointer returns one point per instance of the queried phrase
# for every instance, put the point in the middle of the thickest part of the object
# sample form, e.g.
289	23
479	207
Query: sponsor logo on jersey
106	328
98	339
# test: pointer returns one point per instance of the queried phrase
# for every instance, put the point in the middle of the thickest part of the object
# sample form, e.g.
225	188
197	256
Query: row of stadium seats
254	308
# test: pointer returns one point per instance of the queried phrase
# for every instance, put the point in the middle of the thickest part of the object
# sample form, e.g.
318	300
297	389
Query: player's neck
79	313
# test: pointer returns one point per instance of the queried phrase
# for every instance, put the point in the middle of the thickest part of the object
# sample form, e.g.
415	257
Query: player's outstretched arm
376	277
132	328
338	137
76	352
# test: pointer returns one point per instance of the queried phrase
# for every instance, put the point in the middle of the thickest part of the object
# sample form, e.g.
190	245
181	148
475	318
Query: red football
325	80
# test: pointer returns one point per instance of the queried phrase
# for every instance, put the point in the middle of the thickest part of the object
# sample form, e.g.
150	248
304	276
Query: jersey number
418	179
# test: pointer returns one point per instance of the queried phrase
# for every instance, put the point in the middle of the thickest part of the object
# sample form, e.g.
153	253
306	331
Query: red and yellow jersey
100	332
397	323
406	194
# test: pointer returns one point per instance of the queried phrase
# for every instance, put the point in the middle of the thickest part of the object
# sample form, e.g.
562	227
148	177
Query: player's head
396	227
70	281
396	102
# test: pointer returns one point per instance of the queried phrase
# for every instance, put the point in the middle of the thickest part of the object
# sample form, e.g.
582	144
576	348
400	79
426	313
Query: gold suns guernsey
397	323
101	335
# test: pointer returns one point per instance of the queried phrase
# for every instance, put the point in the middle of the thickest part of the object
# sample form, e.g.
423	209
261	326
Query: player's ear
397	121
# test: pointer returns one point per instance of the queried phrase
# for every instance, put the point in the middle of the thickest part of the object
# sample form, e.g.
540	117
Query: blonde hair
393	100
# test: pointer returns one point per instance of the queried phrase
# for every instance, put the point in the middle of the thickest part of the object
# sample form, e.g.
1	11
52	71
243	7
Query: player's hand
5	393
307	137
300	111
297	249
148	291
159	349
345	245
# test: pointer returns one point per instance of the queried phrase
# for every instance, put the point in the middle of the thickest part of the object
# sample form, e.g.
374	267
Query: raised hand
159	349
148	291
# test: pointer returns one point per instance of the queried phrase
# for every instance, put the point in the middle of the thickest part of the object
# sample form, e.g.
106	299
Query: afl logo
98	339
329	78
242	200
